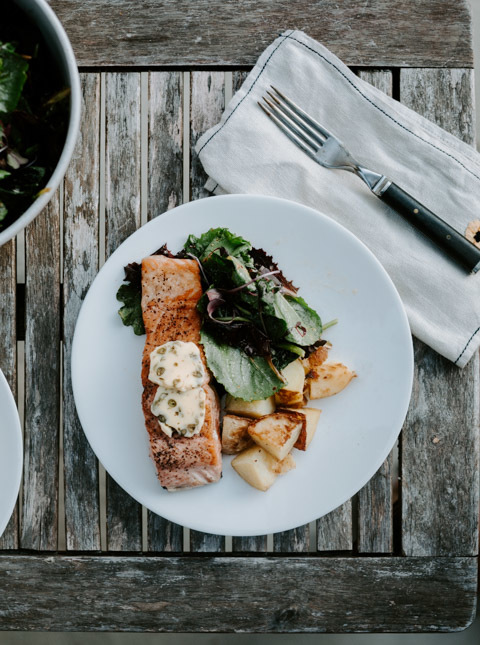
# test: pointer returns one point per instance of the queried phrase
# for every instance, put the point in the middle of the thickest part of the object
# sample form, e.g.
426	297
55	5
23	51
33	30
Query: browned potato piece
259	469
311	416
318	357
277	432
328	379
253	409
235	437
282	467
291	394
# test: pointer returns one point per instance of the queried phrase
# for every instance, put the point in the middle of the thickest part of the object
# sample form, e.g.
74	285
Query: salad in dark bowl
39	111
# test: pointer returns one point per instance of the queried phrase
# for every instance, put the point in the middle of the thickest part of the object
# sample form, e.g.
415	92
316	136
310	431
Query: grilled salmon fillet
171	289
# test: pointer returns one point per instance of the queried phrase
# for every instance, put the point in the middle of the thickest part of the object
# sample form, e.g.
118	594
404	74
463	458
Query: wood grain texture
207	102
440	442
207	99
212	32
165	142
80	258
334	531
375	505
163	535
251	544
238	77
294	541
42	380
122	218
8	353
307	595
206	542
165	191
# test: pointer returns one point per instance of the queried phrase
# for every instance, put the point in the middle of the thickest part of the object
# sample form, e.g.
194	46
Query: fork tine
294	127
290	133
289	113
301	113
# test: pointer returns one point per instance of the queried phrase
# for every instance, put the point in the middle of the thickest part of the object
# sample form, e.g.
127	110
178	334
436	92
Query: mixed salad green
254	323
33	121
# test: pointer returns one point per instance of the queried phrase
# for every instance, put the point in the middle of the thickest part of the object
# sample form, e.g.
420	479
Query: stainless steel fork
322	146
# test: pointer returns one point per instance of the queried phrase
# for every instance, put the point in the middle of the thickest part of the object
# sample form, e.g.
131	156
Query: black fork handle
455	245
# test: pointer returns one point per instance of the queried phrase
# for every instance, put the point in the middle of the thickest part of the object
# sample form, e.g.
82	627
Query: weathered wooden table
79	553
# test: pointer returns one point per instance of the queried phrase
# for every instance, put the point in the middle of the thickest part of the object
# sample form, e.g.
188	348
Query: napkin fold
247	153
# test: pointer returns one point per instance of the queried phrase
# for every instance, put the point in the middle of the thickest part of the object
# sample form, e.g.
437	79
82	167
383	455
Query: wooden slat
206	542
375	506
294	541
225	594
81	213
163	535
440	443
165	142
122	218
252	544
238	77
42	380
8	353
214	32
165	191
207	99
334	531
207	102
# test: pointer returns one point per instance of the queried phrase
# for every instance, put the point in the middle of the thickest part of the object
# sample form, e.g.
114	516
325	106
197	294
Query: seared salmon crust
171	289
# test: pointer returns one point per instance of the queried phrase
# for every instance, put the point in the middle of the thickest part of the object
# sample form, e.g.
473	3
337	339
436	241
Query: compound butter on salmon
181	409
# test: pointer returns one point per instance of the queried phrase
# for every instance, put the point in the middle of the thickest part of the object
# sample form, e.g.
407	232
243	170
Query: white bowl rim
72	132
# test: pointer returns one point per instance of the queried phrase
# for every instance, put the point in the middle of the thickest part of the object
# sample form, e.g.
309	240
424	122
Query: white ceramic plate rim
395	423
12	452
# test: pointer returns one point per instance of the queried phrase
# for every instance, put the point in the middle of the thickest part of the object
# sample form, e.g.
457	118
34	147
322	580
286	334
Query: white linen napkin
247	153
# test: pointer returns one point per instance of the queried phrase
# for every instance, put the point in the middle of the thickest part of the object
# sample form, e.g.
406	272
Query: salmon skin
171	289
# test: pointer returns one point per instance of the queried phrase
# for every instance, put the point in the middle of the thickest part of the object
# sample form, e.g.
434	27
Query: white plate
11	453
340	278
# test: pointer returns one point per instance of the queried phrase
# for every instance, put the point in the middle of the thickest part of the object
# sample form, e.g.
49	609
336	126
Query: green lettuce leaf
250	379
131	312
13	74
301	324
309	319
215	239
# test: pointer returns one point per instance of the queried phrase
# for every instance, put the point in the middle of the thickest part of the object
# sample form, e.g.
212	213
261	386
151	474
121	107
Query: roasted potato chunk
277	432
235	437
328	379
282	467
291	394
259	469
252	409
311	416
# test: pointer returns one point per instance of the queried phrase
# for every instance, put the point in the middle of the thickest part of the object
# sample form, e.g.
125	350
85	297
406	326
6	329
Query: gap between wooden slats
81	231
42	380
440	443
8	353
375	504
122	218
